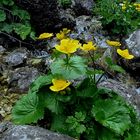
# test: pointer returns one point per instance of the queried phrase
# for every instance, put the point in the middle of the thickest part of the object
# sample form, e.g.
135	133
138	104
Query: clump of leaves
117	17
81	110
65	3
15	20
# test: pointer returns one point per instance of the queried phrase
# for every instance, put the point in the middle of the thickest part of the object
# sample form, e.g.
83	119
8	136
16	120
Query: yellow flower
45	35
89	47
59	84
125	54
68	46
113	43
137	5
66	31
123	6
62	34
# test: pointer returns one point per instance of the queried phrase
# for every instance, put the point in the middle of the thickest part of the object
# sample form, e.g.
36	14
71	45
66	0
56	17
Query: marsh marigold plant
125	54
59	84
62	34
68	46
45	35
89	47
113	43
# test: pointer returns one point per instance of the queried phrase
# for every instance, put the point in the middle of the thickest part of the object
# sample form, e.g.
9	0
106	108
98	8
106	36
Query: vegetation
81	110
65	3
119	18
14	20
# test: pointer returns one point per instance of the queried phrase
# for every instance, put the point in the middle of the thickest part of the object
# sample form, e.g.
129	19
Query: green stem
67	59
92	58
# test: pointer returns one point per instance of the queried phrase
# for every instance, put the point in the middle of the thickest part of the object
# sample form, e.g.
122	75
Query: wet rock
86	27
9	131
20	78
127	92
133	43
67	19
2	49
47	16
83	7
16	57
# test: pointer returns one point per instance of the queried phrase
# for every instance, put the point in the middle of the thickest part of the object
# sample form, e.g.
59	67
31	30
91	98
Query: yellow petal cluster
68	46
123	6
45	35
113	43
125	54
59	84
137	5
62	34
89	47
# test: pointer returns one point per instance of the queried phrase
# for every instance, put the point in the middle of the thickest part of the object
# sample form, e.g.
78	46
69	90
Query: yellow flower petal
68	46
59	84
45	35
65	30
113	43
125	54
89	47
60	35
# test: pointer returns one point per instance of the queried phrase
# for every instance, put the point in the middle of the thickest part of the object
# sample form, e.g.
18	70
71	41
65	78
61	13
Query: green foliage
72	70
28	109
116	20
112	66
15	20
110	114
81	110
65	3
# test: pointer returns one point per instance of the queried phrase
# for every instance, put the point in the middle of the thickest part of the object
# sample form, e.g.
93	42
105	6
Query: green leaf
32	35
22	14
2	16
8	2
28	110
109	61
80	116
7	28
58	123
92	71
40	82
112	114
117	68
74	69
106	134
80	128
89	91
22	30
50	101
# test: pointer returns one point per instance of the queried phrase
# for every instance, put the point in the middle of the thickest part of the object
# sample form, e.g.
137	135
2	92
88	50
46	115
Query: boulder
128	93
8	131
17	57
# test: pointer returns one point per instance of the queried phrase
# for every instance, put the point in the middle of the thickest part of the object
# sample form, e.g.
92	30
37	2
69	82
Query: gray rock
67	18
17	57
20	78
133	43
9	131
83	7
127	92
86	27
2	49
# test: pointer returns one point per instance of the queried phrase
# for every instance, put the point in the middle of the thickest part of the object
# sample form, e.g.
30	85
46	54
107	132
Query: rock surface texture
9	131
128	93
